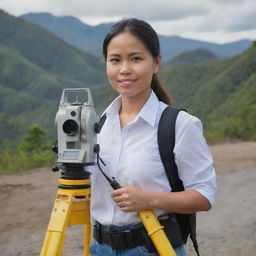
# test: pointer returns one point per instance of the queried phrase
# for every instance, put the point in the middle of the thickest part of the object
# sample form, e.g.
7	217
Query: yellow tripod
71	207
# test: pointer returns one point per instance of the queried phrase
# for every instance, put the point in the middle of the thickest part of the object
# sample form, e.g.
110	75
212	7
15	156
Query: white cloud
225	22
146	9
197	18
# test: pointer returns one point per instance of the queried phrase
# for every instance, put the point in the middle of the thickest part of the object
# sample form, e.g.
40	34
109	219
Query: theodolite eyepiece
70	127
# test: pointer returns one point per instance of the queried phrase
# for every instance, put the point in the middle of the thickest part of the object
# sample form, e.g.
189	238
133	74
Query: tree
34	140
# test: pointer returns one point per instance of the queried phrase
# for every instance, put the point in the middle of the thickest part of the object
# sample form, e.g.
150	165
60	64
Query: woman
128	142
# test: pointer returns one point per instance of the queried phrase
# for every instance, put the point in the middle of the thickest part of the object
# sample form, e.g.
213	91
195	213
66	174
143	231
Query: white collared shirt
131	155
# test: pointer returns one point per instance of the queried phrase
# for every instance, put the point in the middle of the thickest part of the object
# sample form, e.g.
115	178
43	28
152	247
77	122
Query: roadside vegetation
33	151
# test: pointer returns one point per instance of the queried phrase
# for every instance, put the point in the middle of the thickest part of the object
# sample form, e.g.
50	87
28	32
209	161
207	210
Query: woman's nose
125	68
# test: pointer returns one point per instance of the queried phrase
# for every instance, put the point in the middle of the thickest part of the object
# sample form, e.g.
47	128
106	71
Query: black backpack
166	143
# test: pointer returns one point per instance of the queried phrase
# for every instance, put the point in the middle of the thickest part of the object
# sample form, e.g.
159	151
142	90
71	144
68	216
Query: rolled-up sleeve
193	158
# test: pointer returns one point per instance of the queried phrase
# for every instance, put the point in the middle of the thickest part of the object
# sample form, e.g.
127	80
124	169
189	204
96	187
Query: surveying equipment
77	126
75	121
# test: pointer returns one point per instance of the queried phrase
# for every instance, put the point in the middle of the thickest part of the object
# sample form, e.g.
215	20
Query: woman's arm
189	201
131	199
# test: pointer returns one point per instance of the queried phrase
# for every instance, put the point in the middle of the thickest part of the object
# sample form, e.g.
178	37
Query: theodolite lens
70	127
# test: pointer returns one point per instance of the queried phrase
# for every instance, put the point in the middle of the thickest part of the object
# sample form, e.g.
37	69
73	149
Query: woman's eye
114	60
136	58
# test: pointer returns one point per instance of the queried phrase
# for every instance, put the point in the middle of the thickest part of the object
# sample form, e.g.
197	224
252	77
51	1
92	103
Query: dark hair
149	38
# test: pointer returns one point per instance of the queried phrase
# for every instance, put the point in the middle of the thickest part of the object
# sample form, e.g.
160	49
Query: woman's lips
126	82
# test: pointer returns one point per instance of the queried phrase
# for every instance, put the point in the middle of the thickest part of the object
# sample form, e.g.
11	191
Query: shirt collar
114	107
148	112
150	109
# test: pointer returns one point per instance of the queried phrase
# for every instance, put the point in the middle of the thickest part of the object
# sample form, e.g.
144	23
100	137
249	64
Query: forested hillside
35	67
193	57
222	94
47	51
72	30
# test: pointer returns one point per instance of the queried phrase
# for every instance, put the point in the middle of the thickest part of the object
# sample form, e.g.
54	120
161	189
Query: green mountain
221	93
90	38
193	57
35	67
47	51
29	94
172	46
72	30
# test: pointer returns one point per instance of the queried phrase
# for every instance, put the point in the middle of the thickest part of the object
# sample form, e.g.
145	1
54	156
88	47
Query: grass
17	160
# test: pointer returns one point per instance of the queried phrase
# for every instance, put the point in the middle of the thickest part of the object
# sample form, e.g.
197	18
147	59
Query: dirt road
228	229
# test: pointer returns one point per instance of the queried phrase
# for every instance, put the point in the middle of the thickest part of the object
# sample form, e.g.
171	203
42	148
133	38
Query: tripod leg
55	236
87	234
156	233
80	214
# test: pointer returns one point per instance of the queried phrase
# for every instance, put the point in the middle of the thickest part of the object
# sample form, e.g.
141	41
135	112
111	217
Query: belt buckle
129	237
117	241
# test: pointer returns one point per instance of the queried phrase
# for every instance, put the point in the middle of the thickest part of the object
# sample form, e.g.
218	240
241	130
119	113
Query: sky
219	21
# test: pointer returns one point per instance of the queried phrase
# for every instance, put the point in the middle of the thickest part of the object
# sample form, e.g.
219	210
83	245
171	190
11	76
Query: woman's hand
131	199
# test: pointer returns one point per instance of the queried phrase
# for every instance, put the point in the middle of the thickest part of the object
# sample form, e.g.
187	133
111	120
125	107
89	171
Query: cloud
240	11
147	9
242	17
225	21
180	17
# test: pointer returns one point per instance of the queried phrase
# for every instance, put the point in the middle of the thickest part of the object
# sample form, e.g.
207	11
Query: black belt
132	238
120	240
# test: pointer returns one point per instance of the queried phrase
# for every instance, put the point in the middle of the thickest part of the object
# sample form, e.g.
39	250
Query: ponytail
159	90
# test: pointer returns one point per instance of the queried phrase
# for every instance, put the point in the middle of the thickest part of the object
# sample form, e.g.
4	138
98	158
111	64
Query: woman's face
130	66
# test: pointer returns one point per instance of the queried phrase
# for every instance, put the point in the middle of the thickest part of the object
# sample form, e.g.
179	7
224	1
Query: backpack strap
166	143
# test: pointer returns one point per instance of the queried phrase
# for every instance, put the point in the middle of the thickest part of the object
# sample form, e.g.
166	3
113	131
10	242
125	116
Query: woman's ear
157	63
